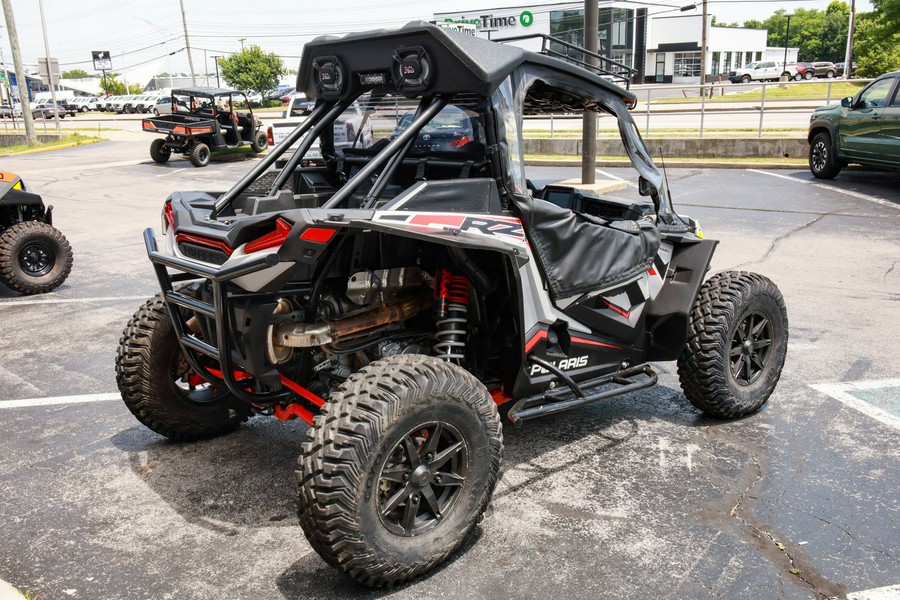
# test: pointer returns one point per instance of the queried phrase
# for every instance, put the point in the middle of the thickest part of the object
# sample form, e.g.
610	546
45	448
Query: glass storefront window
717	56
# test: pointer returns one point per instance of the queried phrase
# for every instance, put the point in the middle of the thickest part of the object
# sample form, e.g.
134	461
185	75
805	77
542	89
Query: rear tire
745	79
822	162
400	467
260	142
158	386
737	342
34	257
829	74
158	151
199	154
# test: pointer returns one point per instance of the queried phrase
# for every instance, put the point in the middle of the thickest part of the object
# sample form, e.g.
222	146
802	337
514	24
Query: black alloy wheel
822	162
750	346
36	258
421	479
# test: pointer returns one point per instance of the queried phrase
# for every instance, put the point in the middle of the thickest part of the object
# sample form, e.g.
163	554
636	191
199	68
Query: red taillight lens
169	216
148	126
320	235
270	138
461	141
270	240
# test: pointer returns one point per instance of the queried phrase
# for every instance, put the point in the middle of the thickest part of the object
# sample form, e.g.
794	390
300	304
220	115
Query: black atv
409	291
203	120
34	256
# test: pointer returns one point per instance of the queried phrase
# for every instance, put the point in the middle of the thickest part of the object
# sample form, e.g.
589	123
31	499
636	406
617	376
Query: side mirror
847	102
645	188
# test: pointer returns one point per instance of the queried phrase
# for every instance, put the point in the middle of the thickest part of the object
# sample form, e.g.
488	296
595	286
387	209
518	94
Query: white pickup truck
762	71
346	128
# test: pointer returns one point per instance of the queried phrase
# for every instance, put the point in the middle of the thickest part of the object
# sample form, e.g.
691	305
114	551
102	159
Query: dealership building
662	44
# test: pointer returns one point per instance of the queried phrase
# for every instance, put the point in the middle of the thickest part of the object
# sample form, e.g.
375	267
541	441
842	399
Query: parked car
45	110
163	106
839	69
862	129
7	112
254	96
807	70
762	71
279	93
826	69
67	107
85	103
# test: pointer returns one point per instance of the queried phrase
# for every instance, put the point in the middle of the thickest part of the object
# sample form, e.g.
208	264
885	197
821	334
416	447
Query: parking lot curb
58	147
8	592
670	163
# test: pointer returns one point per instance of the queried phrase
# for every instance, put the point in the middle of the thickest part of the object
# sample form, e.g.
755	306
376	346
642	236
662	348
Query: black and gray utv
403	295
35	257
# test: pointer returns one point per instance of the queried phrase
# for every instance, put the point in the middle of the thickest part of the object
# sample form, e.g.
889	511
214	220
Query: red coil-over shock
451	306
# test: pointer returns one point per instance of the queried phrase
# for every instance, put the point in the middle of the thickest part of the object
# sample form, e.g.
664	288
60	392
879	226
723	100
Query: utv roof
458	63
208	92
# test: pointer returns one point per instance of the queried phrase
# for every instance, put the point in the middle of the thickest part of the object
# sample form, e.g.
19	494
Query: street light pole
787	34
21	82
216	59
848	54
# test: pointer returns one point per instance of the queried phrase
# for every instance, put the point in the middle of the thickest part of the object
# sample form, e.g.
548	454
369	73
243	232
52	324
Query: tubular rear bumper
220	312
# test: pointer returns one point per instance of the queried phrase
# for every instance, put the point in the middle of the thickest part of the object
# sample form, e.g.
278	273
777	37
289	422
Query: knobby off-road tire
34	257
822	161
737	342
364	505
156	383
199	154
158	151
260	142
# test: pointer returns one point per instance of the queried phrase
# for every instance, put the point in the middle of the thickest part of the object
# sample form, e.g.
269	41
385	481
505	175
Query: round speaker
412	69
328	76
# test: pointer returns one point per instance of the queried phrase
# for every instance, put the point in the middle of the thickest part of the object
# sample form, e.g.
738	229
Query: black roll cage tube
437	104
253	174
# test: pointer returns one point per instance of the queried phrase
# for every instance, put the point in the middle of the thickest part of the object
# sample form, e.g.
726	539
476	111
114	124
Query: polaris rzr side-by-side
409	288
34	256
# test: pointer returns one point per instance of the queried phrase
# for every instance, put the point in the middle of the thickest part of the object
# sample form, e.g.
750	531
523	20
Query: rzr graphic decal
505	227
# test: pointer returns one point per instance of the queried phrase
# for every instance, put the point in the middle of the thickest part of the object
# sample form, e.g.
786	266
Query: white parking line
172	172
611	176
59	400
841	391
823	186
30	301
891	592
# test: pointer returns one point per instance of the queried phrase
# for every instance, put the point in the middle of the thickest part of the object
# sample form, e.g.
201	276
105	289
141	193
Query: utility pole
589	118
216	58
49	70
21	83
187	44
848	55
241	40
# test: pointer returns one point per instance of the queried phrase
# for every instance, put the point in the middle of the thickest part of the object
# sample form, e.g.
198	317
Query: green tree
834	32
876	44
252	69
76	74
135	88
113	86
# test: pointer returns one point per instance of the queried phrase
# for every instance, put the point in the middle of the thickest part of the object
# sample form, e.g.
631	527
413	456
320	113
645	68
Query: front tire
158	151
737	342
400	467
160	389
199	154
822	161
745	79
34	257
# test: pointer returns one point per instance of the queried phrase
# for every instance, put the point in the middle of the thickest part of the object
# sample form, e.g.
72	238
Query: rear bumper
219	312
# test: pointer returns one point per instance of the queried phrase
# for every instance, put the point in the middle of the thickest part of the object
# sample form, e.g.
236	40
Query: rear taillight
270	240
168	217
320	235
270	138
461	141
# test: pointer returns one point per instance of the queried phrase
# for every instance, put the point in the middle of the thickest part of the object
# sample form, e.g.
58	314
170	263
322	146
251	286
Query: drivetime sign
525	19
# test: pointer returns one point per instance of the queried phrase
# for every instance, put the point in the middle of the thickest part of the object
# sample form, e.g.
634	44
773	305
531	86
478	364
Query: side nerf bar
218	310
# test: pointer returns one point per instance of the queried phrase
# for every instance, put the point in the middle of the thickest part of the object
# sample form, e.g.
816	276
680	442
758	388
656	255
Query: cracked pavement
639	496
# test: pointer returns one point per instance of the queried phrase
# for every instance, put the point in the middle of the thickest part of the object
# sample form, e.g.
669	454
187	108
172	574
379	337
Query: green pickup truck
864	129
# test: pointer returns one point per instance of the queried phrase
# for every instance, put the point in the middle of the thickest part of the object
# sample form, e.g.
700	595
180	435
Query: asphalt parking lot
638	497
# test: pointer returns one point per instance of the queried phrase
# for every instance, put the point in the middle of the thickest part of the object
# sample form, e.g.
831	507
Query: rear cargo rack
605	67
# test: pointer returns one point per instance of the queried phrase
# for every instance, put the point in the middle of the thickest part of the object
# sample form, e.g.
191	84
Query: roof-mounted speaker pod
328	76
412	69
